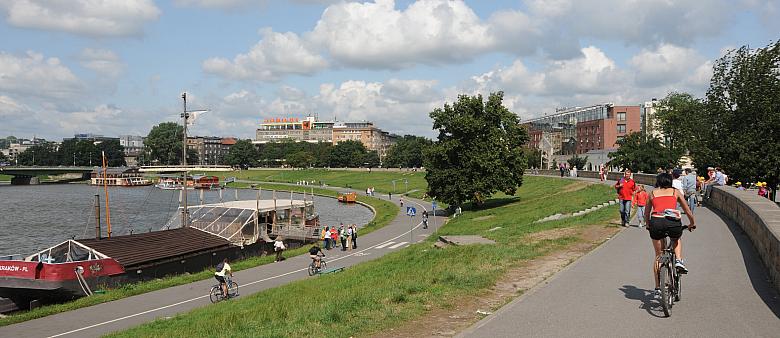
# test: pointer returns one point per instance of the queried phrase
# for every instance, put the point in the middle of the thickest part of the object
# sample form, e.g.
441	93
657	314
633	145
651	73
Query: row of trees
73	152
734	127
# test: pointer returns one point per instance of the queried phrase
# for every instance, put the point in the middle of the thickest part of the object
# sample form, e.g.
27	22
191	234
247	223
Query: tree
643	154
478	151
301	159
3	158
407	152
165	143
742	116
242	154
578	162
43	154
115	153
348	153
371	159
679	118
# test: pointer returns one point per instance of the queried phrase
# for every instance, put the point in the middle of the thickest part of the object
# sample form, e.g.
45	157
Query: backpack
220	266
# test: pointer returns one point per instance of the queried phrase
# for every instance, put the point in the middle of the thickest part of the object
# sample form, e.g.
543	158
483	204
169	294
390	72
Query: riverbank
384	213
377	296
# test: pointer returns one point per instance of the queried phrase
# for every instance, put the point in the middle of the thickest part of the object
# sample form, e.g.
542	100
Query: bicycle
313	269
669	277
216	291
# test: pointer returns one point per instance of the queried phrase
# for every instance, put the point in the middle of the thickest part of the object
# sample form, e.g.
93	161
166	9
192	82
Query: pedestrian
677	182
402	202
390	196
739	186
689	188
602	173
343	236
425	219
354	236
561	168
349	237
334	235
325	237
625	188
762	191
641	201
279	248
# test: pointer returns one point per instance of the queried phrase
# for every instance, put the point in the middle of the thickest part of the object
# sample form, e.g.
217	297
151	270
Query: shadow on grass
491	203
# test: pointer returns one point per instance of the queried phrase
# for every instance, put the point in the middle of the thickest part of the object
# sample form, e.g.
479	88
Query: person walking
641	202
325	237
561	168
278	248
689	188
334	235
343	234
354	236
402	202
349	237
625	188
425	219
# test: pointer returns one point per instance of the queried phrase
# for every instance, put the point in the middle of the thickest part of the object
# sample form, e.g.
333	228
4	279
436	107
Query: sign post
433	213
411	211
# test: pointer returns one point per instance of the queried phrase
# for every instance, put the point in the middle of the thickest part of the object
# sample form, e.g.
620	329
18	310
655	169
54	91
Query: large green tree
642	153
478	151
164	143
3	158
301	159
243	154
43	154
679	118
743	115
348	153
407	152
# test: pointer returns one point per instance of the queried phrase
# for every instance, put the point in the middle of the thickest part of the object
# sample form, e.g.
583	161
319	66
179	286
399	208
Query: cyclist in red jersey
664	219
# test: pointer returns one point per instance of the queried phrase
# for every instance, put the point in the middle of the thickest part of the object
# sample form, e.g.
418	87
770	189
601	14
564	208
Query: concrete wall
759	218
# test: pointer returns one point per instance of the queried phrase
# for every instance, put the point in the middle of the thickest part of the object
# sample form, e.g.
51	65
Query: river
34	217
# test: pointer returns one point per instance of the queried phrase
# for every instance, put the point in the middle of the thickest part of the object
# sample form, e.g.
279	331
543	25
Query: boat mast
105	187
184	116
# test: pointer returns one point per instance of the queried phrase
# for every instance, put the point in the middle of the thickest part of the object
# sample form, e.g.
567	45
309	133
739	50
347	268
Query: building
133	146
311	130
580	130
650	124
90	137
306	130
210	149
21	145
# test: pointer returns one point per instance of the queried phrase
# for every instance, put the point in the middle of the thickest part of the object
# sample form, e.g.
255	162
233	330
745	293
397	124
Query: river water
34	217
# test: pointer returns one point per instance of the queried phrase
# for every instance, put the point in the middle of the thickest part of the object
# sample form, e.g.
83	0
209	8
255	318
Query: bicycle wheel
233	289
323	265
312	269
216	294
666	281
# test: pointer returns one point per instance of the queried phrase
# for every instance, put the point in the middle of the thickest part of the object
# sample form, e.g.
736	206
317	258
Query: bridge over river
29	175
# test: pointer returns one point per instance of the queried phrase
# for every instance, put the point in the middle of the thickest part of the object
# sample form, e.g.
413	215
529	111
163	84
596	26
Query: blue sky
119	67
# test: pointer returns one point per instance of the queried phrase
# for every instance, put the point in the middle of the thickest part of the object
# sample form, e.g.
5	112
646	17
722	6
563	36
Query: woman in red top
664	219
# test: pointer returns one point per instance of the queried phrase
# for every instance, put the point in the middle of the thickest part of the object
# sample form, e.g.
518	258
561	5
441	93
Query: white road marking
247	284
398	245
384	245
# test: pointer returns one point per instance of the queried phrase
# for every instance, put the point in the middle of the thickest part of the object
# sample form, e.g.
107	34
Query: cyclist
223	268
425	219
315	253
664	220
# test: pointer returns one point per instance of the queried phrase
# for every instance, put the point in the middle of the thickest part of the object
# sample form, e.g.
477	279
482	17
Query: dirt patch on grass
483	218
439	322
552	234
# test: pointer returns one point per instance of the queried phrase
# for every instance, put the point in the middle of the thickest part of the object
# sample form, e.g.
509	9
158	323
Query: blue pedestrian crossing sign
411	211
433	205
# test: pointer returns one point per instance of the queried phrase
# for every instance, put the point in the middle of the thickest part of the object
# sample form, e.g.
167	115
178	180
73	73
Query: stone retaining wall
757	216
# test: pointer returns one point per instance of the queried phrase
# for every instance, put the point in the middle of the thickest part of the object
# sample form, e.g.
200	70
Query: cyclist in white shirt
222	270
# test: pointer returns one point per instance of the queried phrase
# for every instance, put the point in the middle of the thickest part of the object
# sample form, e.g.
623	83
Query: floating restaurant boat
118	177
349	197
235	229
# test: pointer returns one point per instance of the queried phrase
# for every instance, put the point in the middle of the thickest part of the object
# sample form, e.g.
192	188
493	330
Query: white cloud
101	61
376	35
276	55
82	17
667	63
35	76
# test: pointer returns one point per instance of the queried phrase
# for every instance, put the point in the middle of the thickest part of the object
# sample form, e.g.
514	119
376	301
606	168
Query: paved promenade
608	293
128	312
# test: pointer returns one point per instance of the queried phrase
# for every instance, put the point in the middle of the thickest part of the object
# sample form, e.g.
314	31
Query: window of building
621	116
621	128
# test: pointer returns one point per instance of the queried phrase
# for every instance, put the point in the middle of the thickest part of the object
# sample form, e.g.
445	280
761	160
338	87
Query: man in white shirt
222	270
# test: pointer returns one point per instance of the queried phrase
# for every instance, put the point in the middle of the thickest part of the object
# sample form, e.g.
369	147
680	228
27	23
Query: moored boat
118	177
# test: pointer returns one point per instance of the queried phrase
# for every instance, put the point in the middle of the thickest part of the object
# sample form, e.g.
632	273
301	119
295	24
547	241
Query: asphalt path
608	292
121	314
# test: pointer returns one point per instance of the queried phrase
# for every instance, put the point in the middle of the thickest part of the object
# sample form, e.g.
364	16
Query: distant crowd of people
346	235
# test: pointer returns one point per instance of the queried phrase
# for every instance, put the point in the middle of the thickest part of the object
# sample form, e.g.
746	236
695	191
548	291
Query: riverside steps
124	313
609	292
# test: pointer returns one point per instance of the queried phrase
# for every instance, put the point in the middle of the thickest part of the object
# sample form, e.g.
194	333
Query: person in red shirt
625	188
641	200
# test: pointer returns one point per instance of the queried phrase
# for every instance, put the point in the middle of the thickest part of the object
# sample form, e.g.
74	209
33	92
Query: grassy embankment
382	181
385	212
5	178
375	296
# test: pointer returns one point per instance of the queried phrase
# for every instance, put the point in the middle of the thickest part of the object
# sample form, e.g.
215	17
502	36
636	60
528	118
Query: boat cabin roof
261	205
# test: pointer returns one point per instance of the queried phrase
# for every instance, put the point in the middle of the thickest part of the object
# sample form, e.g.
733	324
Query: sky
119	67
